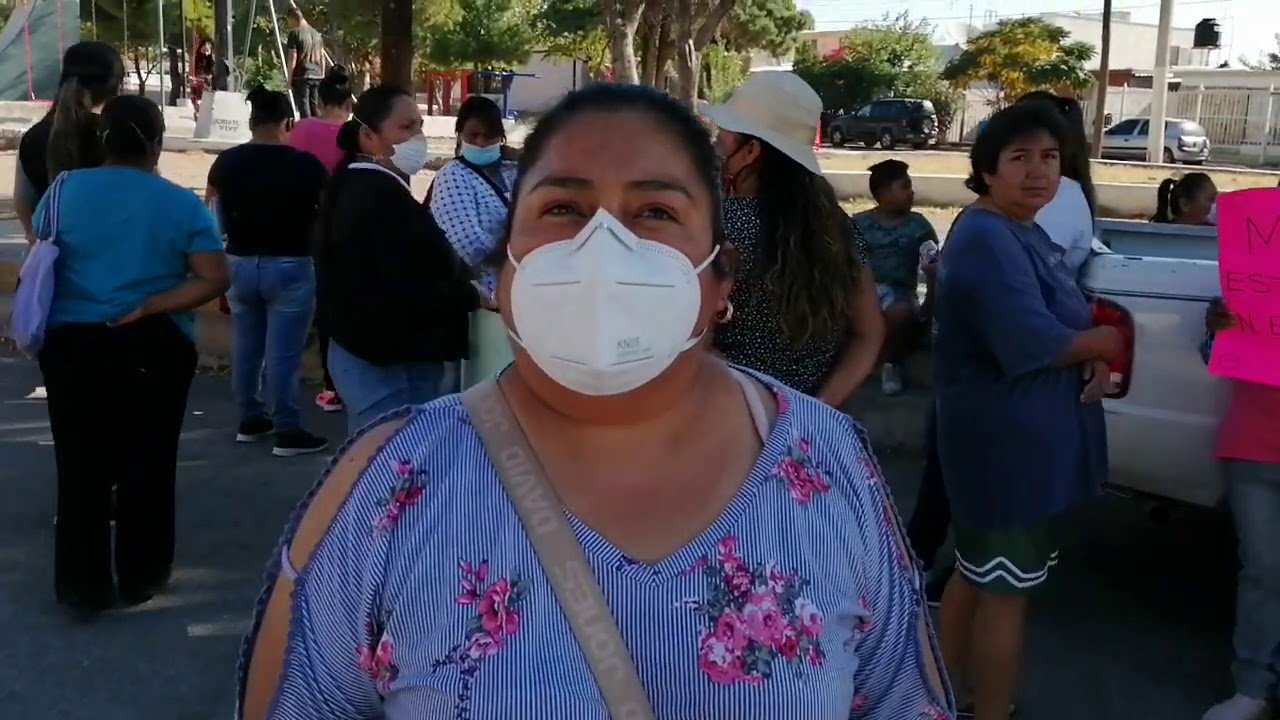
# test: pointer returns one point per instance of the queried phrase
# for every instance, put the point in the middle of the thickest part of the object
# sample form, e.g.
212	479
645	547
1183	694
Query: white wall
555	77
1133	45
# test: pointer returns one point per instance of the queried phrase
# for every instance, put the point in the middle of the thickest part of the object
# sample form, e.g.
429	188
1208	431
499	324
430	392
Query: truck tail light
1106	312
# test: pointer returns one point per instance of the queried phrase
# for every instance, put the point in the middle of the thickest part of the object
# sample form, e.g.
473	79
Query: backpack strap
493	184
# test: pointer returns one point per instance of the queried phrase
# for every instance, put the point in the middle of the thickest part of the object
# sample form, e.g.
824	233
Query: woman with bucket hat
804	300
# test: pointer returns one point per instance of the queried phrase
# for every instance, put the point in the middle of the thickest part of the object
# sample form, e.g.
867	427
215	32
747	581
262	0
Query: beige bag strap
559	552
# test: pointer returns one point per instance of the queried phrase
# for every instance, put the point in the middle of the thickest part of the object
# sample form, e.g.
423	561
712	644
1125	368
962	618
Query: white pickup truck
1161	433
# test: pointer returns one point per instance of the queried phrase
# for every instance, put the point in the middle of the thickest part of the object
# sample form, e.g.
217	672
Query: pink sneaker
329	401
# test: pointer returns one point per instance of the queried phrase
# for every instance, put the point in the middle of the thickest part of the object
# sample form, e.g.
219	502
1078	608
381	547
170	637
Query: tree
574	29
770	25
1265	61
488	34
894	57
396	52
1021	55
1104	80
621	20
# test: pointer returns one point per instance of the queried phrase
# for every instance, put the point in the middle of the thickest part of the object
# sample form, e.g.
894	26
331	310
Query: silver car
1184	141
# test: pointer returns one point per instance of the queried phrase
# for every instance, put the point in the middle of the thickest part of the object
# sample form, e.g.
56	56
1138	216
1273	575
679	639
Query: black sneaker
298	442
254	430
935	583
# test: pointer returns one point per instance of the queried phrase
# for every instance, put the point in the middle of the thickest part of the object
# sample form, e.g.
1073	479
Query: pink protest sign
1249	265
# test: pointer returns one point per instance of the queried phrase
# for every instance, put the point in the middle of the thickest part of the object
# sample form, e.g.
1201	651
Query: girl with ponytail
1186	201
67	137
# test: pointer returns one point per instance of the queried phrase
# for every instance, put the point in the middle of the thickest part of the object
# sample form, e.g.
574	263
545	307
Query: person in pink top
319	135
1249	448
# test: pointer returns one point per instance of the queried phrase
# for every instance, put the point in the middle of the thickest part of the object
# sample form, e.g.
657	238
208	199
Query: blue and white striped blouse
426	600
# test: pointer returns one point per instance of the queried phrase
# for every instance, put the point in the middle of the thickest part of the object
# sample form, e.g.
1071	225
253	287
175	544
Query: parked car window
863	112
1187	127
1143	127
882	111
1124	127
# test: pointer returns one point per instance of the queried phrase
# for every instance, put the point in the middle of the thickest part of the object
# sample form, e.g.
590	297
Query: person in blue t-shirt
138	254
1021	435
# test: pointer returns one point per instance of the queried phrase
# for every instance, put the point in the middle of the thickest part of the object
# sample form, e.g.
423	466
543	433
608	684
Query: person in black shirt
68	136
393	296
266	194
305	63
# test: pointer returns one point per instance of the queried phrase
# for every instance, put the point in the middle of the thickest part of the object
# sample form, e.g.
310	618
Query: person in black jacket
392	295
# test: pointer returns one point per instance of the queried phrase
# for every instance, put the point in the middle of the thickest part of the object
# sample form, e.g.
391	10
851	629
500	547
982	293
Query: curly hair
806	250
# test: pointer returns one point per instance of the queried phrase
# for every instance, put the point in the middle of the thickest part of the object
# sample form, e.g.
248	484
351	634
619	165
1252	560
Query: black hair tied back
132	129
268	107
335	88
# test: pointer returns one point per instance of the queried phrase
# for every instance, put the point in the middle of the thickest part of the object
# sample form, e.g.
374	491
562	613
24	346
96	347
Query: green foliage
723	71
769	25
264	71
574	29
142	21
489	34
1021	55
892	58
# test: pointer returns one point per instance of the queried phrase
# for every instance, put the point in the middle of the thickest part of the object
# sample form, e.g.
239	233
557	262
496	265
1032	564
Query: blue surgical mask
477	155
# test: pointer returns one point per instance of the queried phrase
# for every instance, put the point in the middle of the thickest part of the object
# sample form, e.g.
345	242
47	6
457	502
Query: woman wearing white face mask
392	298
725	545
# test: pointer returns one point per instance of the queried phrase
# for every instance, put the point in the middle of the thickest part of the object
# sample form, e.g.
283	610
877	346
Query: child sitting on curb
895	235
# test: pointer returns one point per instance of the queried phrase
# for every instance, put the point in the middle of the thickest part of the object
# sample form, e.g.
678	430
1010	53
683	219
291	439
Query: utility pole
223	57
397	43
1160	85
1104	82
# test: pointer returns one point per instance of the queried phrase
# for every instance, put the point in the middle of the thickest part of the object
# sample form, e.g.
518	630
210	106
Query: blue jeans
272	301
1253	492
369	391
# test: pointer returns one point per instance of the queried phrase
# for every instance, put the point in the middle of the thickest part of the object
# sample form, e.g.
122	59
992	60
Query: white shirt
1069	223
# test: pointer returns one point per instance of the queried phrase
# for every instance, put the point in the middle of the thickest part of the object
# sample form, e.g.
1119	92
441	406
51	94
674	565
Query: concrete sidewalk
174	658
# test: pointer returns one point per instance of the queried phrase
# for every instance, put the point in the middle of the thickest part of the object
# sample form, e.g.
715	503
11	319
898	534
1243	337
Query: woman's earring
726	313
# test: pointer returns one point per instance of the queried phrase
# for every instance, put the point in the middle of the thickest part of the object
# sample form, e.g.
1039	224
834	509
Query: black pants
323	340
306	95
931	518
117	399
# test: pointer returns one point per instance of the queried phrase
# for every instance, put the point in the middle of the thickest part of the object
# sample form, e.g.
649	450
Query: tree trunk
397	43
1104	81
622	18
648	41
666	51
690	42
686	54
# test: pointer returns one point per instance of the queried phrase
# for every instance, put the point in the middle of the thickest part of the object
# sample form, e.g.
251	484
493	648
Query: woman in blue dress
1020	370
741	535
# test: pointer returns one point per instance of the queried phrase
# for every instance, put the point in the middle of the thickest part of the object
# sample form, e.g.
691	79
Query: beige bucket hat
777	107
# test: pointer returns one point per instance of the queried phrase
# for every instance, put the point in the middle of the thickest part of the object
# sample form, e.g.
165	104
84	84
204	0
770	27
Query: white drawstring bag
34	295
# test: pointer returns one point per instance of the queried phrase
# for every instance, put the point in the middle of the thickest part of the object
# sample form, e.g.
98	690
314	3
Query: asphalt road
1136	625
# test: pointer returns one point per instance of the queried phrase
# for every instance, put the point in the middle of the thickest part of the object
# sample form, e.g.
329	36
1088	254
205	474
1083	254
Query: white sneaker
1240	707
890	379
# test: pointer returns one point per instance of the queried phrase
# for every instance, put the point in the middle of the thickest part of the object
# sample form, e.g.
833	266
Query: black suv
887	123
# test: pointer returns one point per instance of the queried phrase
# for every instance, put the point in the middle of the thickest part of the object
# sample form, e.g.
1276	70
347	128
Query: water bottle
928	253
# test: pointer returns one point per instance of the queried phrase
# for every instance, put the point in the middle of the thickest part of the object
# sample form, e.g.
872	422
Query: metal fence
1243	121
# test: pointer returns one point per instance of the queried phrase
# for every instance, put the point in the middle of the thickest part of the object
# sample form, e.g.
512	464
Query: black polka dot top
753	338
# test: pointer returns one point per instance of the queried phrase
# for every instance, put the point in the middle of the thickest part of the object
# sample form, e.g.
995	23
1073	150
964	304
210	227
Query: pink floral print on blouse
495	622
405	495
804	479
756	615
